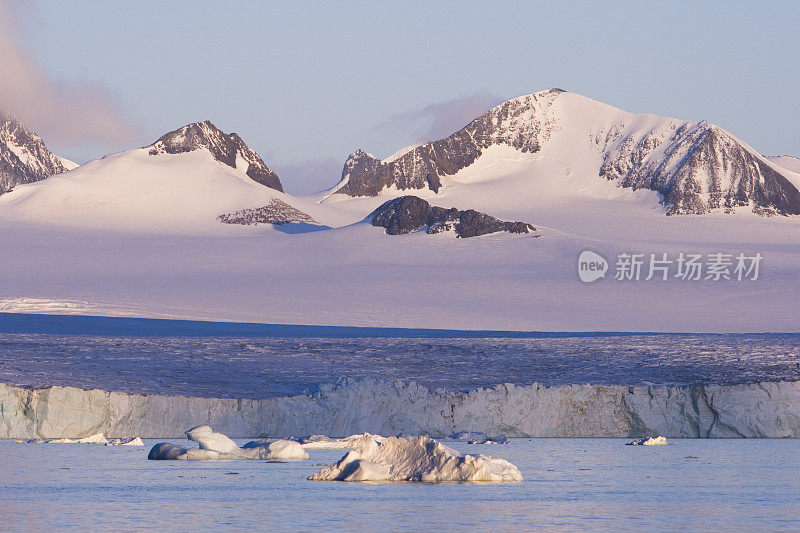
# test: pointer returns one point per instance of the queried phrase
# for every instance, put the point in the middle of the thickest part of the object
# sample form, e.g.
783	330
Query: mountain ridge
228	149
695	167
24	158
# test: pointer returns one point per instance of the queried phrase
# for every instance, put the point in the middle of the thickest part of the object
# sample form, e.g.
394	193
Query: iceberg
652	441
278	450
420	459
97	438
478	437
323	442
219	447
126	441
209	440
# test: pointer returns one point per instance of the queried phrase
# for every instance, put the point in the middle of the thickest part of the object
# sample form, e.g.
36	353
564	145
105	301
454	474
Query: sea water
570	484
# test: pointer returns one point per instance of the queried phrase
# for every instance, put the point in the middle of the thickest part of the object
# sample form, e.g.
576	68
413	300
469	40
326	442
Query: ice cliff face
696	168
228	149
757	410
24	158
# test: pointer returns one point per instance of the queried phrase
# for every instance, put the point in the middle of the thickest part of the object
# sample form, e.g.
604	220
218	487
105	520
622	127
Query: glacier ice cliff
754	410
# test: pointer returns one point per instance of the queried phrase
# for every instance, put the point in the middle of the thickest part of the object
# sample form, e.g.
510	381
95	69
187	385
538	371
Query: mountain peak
696	167
24	158
228	149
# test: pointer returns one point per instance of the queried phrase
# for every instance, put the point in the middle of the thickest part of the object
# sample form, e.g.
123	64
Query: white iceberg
209	440
279	450
219	447
323	442
97	438
478	437
126	441
419	459
652	441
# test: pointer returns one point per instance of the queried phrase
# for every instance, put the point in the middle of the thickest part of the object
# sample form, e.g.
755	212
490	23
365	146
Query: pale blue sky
306	83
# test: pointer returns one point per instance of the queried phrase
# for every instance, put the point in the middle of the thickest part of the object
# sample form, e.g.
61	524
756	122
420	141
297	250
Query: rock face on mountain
511	123
229	149
276	212
696	167
23	156
411	213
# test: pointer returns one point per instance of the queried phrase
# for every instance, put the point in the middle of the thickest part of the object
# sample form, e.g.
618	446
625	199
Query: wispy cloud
68	113
440	119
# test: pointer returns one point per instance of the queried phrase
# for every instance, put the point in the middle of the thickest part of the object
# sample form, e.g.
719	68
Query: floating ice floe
125	441
414	459
97	438
478	437
652	441
219	447
323	442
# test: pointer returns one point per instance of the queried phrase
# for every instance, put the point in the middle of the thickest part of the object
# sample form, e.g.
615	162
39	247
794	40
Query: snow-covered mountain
24	158
695	167
229	149
195	179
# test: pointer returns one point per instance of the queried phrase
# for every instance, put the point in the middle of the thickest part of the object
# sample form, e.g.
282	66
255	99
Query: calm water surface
569	484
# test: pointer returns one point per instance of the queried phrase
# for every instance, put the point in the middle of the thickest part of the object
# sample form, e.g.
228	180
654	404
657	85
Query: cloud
68	113
440	119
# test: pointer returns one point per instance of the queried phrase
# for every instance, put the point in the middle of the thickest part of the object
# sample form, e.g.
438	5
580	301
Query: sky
307	83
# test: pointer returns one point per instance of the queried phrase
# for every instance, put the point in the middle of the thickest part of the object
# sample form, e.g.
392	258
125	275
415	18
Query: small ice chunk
97	438
419	459
652	441
125	441
323	442
209	440
478	437
279	450
165	451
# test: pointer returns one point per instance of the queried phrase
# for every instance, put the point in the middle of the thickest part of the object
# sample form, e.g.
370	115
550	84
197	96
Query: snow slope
786	161
136	192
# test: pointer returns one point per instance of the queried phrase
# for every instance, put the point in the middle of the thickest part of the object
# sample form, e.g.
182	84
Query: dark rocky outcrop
223	147
410	213
276	212
424	166
24	158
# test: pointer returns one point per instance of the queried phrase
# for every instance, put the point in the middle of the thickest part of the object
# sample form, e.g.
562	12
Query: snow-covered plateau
754	410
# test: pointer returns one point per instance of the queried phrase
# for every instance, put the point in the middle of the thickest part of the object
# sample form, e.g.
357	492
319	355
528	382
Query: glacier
751	410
